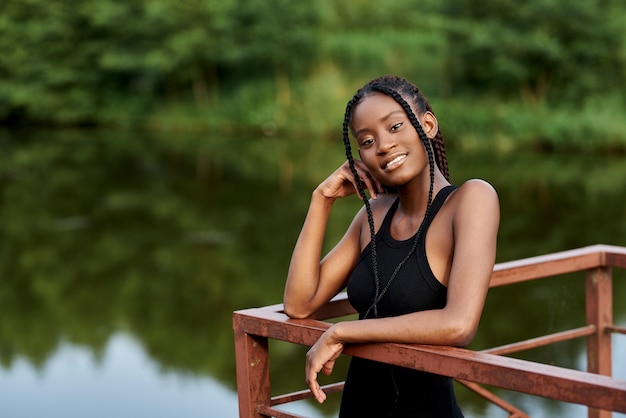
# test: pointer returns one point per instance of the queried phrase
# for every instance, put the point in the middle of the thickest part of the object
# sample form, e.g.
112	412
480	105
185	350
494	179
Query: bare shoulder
477	187
477	195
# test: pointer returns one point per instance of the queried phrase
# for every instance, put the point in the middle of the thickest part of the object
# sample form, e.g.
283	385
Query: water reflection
114	241
122	382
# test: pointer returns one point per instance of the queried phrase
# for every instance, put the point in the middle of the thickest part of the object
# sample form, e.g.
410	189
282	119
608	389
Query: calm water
123	256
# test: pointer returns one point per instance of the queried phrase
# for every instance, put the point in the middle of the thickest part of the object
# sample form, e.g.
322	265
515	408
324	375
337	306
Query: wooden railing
594	388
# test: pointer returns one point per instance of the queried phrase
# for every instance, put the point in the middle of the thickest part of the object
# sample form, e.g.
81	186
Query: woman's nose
385	143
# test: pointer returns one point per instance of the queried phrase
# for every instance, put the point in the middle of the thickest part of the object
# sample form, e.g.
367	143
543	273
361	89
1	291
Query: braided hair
398	89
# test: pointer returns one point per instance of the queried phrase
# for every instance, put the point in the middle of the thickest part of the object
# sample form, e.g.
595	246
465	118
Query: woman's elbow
462	334
295	311
464	339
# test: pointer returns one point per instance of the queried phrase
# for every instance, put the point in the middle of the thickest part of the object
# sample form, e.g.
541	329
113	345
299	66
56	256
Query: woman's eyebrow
383	119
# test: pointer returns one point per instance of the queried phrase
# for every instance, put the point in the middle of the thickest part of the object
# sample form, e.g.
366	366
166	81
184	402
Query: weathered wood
599	312
479	390
558	263
253	370
306	394
542	341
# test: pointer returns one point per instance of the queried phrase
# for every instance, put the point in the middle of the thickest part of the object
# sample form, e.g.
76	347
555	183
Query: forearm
303	278
438	327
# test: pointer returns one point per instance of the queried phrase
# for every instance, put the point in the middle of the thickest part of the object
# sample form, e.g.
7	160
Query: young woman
416	260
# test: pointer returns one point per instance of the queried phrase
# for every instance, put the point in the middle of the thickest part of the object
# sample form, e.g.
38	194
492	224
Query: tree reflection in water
161	238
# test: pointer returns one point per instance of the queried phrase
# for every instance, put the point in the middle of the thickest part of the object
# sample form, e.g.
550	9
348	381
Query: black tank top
415	287
375	389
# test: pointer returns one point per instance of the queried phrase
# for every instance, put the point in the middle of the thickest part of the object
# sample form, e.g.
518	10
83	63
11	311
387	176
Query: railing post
253	371
599	309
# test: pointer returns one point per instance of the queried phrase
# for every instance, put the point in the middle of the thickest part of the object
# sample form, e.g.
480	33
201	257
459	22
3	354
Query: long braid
423	106
370	217
440	153
395	87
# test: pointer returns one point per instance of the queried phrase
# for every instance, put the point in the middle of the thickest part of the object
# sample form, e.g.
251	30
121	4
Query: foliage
279	67
81	61
556	49
593	126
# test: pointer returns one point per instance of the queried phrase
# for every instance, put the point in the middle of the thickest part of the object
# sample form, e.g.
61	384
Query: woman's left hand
321	357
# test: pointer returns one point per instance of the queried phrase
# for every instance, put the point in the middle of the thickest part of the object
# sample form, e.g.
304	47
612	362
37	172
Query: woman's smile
393	162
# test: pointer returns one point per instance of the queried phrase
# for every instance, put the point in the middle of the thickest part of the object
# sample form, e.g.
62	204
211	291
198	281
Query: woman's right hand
342	182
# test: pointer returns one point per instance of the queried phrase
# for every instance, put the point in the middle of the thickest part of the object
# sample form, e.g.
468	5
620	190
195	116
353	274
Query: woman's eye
367	142
396	126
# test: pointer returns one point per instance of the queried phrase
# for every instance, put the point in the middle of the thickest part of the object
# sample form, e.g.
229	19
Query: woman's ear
430	124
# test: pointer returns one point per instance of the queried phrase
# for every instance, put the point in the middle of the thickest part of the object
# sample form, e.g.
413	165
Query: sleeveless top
374	389
415	287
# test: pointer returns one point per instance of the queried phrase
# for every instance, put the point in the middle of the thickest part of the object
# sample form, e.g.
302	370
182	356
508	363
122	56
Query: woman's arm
475	225
311	283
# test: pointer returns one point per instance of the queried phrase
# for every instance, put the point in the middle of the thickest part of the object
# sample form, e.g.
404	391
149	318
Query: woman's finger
315	388
328	367
367	181
370	185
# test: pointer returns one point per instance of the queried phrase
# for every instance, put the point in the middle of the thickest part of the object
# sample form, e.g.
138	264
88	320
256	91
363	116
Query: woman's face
388	144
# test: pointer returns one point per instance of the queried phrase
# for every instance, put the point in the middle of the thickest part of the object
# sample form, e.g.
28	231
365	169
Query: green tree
555	49
79	61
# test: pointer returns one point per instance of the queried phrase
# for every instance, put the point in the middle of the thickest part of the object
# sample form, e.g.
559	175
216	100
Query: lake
123	255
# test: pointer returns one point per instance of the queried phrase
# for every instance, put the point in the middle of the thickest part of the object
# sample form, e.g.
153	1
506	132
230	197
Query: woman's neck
414	195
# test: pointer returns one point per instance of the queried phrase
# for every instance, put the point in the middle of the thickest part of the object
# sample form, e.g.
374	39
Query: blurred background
157	159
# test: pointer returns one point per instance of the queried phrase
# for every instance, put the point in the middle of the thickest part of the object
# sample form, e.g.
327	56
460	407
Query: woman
416	260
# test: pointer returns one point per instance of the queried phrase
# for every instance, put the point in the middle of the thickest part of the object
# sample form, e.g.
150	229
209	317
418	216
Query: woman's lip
394	162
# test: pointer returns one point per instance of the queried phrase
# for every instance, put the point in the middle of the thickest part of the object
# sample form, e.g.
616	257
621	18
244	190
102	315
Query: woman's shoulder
477	187
476	194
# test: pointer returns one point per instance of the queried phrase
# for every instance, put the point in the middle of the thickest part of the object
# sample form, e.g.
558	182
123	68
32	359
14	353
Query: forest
546	75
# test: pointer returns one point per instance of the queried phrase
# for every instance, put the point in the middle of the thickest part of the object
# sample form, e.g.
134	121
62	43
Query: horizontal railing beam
268	411
616	329
558	263
306	394
542	341
508	373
